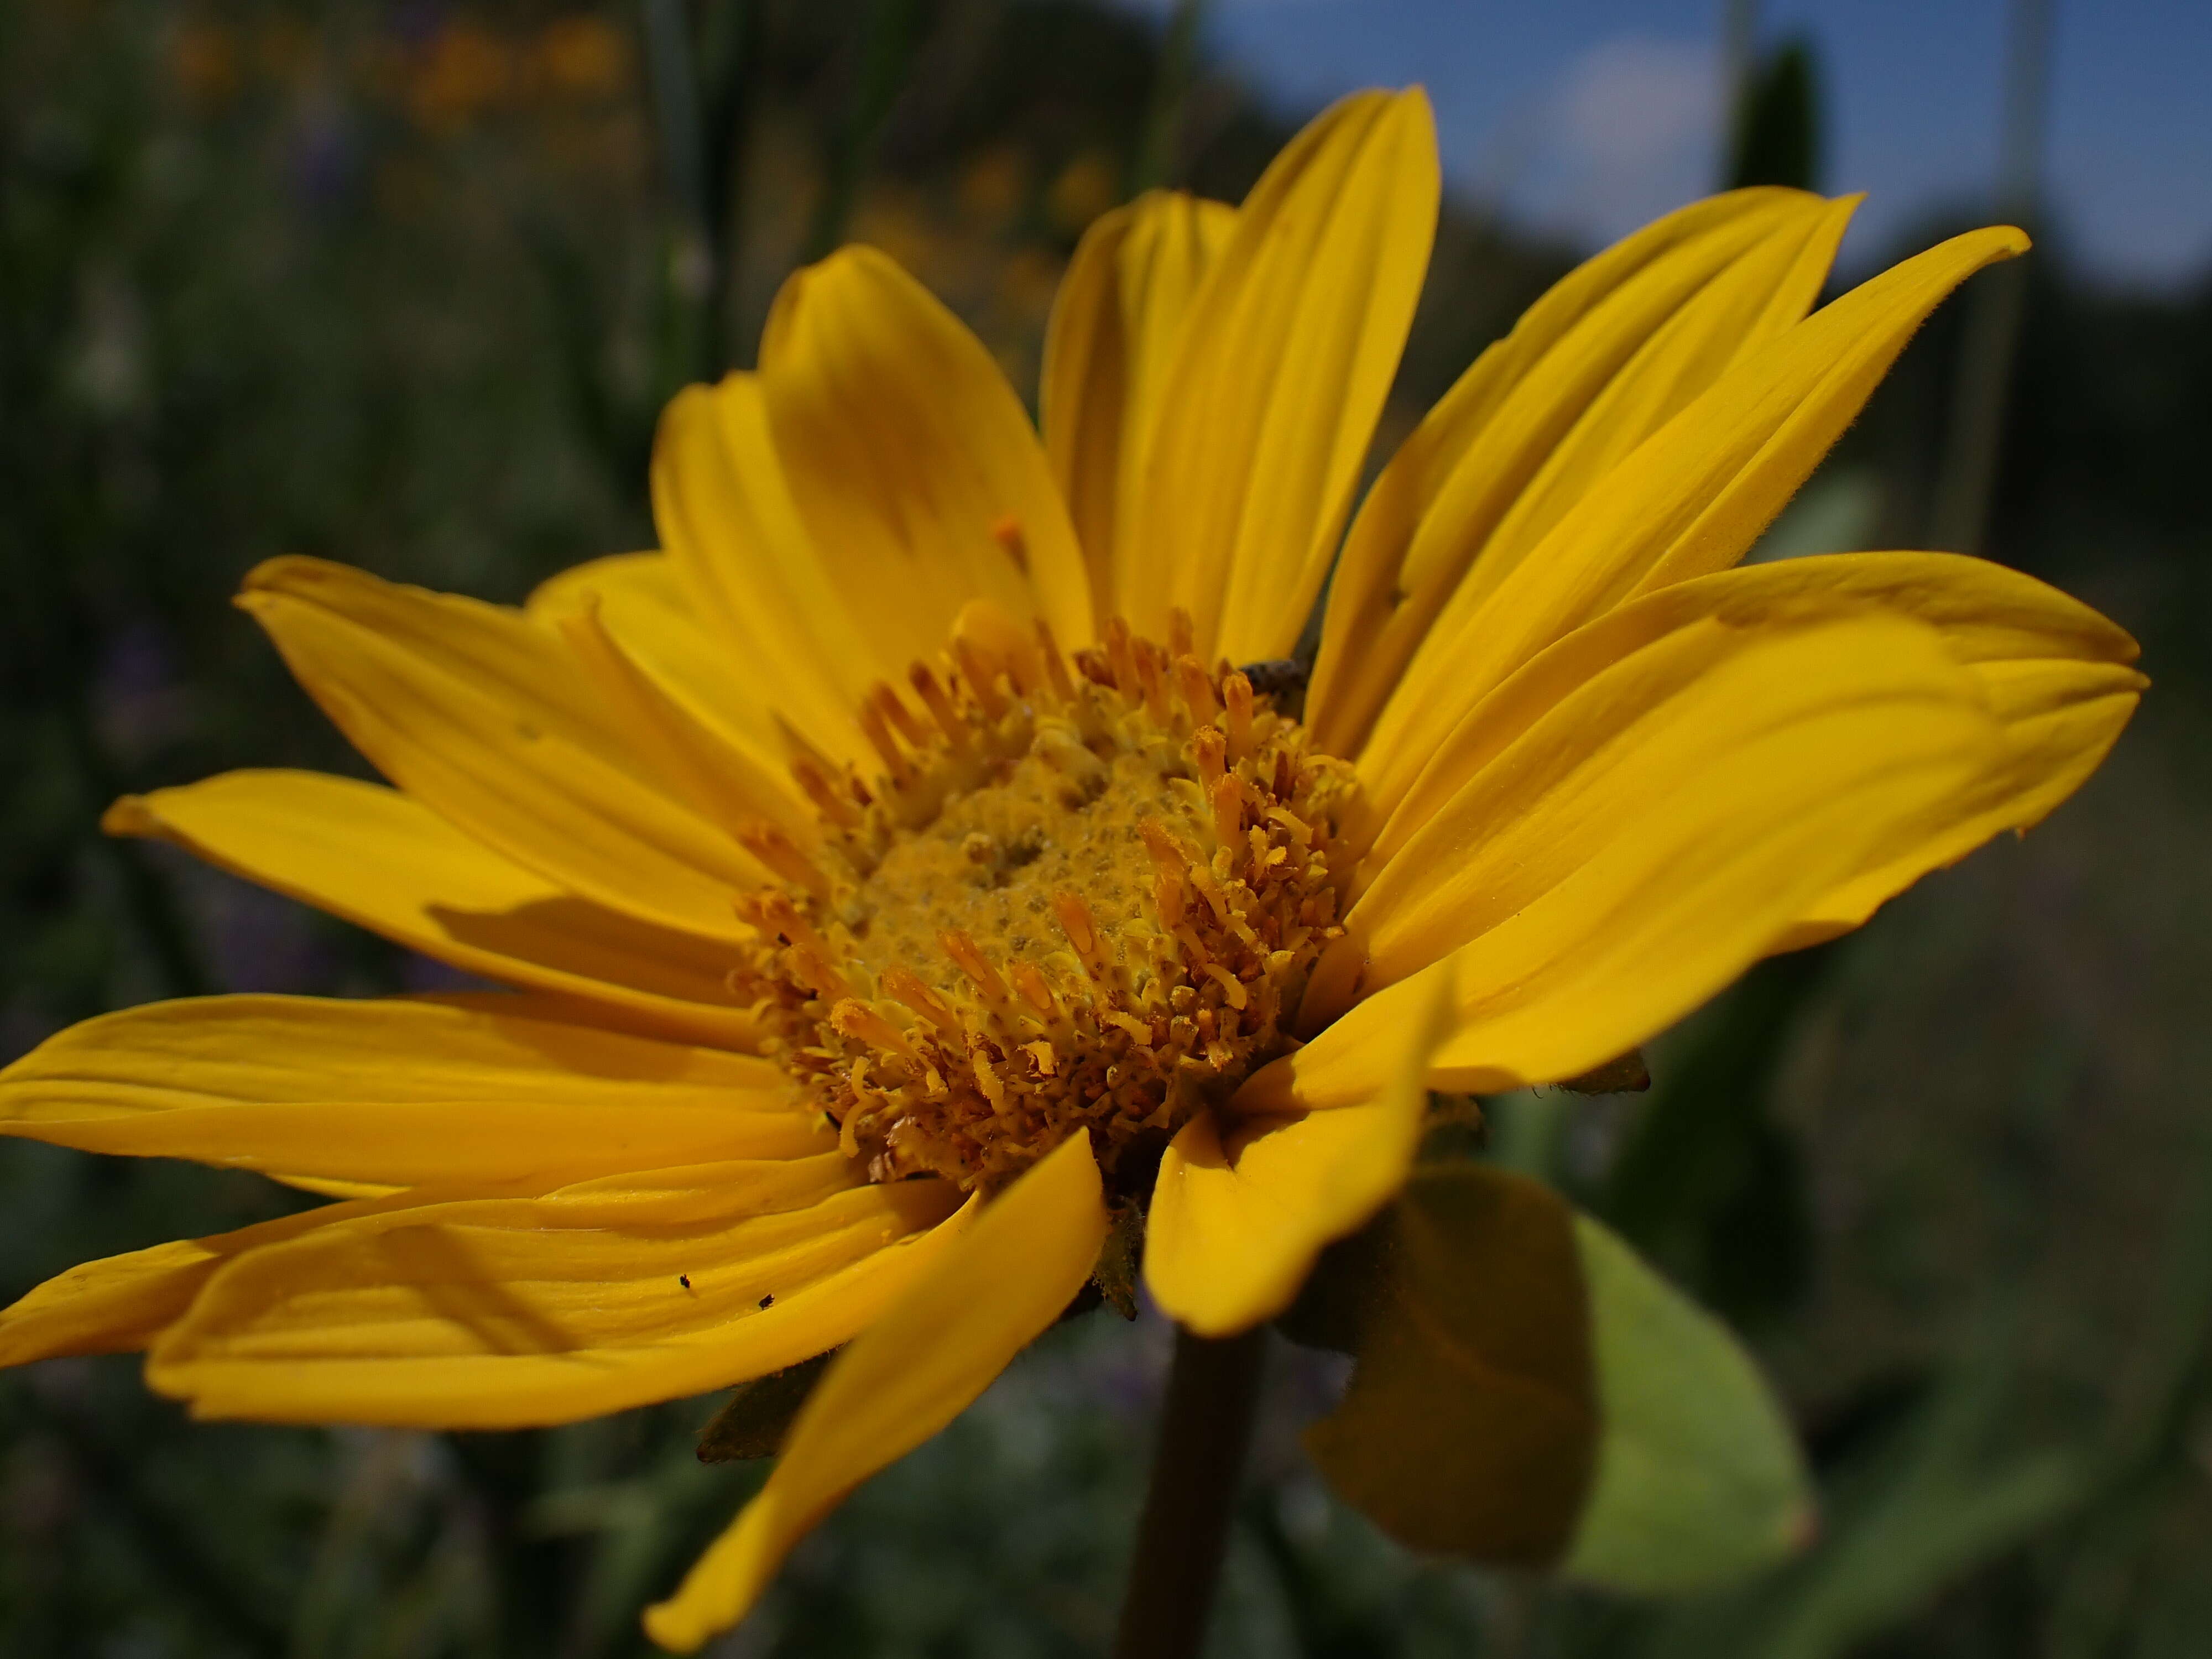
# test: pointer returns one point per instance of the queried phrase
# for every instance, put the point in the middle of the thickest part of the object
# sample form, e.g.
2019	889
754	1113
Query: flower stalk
1206	1428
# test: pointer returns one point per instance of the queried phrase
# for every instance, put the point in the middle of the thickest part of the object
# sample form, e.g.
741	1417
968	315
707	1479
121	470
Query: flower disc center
1071	901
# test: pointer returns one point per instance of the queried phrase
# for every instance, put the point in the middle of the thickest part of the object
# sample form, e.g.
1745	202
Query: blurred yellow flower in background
921	867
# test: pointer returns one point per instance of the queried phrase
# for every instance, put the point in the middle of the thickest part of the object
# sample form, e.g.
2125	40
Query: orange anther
900	717
877	732
774	913
1151	678
830	801
1236	693
979	671
939	704
781	855
1227	799
1074	918
813	970
1035	992
1182	638
854	1018
1167	855
1055	665
1121	659
1197	688
1210	749
1168	865
970	961
902	983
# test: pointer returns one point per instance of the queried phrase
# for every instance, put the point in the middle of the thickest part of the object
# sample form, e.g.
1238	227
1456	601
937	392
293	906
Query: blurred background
404	283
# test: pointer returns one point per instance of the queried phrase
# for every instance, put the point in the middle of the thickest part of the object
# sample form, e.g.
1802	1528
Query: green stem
1206	1427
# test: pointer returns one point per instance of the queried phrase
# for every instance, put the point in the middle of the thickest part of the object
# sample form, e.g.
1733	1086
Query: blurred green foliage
404	285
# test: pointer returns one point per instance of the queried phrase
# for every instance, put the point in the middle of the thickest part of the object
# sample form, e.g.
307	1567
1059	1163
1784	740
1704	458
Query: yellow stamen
915	973
1182	638
970	961
1197	688
1168	865
829	800
1122	658
980	672
1035	992
935	699
1226	798
1236	693
877	731
852	1017
1152	680
893	709
781	854
814	971
1055	665
901	983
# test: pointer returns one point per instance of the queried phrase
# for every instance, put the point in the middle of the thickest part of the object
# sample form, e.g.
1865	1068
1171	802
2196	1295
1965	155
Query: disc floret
1077	896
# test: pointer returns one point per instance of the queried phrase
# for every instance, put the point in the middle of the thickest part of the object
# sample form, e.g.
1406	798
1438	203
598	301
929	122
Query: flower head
923	859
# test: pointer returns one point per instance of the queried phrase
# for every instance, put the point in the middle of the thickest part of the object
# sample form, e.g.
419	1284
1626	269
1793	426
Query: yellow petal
729	782
1242	1209
481	716
331	1187
374	857
120	1304
510	1312
2061	720
477	1090
1020	1263
650	577
1689	500
1607	355
908	454
2045	661
723	506
664	624
1116	324
1645	841
1266	411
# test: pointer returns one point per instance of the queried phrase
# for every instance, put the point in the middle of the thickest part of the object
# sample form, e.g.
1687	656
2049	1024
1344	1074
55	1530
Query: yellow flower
907	815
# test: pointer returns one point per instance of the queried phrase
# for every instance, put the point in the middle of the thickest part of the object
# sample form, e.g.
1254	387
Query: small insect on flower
904	892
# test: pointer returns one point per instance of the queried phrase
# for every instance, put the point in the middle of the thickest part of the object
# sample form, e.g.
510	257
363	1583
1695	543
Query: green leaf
1698	1476
755	1419
1529	1392
1470	1423
1709	1184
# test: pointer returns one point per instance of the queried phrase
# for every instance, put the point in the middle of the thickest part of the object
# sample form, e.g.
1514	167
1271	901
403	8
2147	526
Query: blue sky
1591	116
